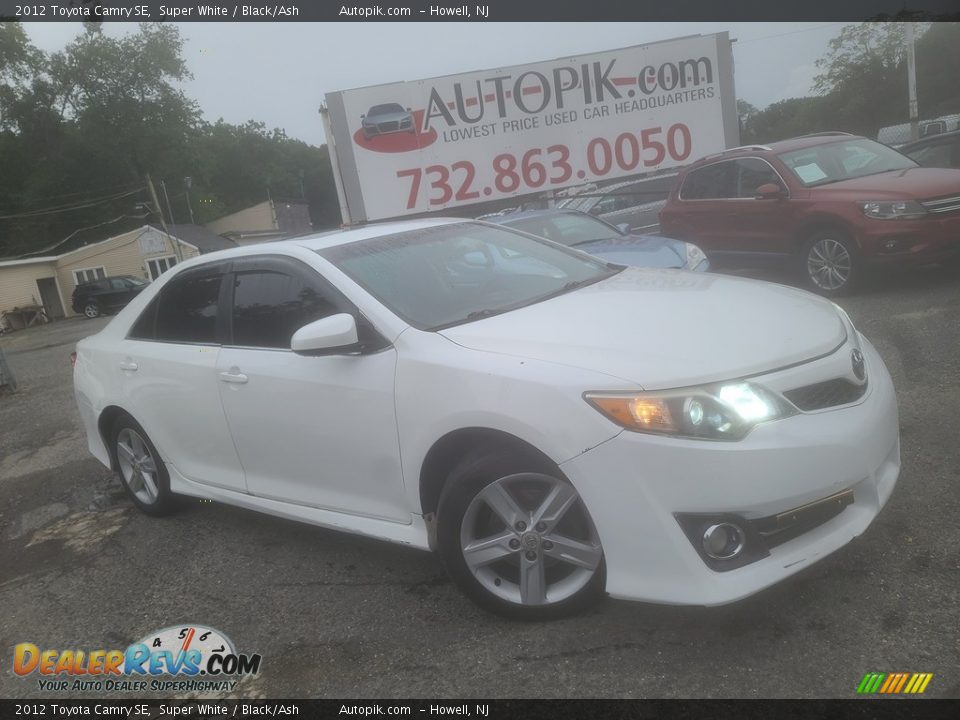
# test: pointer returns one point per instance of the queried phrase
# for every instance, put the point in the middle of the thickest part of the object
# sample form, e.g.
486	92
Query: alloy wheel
137	466
91	310
829	264
528	539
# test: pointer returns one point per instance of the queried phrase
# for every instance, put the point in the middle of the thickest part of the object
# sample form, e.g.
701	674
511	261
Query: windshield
386	109
442	276
844	160
565	228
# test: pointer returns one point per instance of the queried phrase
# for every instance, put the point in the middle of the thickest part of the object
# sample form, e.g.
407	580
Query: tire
141	471
91	309
830	263
521	574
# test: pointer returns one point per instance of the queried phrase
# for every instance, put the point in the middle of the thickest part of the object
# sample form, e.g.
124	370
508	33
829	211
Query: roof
323	240
202	239
26	261
805	141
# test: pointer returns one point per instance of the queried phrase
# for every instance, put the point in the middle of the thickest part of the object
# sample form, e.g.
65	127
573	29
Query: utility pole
163	222
912	84
187	184
163	186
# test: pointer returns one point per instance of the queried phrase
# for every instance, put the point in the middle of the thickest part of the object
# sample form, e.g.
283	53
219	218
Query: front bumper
634	484
921	240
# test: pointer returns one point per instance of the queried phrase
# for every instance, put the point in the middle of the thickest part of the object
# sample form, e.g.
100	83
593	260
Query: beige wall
120	255
252	219
18	284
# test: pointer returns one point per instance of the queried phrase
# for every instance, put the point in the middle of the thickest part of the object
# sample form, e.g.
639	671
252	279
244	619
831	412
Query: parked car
613	244
829	204
386	119
938	151
672	437
898	135
105	294
636	203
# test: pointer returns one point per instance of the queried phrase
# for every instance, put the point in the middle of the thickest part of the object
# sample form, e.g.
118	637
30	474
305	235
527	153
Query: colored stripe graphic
894	683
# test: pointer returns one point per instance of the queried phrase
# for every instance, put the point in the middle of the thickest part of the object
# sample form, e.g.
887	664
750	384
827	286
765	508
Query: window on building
157	266
85	275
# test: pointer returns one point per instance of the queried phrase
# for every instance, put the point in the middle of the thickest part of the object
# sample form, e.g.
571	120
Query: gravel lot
340	616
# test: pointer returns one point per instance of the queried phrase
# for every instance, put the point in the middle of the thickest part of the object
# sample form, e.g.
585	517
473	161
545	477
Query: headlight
695	256
715	412
892	209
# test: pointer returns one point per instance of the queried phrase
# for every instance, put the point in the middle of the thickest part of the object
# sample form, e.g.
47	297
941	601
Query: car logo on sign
859	369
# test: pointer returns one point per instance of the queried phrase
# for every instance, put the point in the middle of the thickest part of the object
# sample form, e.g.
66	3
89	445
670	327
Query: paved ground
335	615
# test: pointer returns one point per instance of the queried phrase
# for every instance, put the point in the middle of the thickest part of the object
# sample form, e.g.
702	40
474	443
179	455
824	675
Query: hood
915	183
649	251
663	329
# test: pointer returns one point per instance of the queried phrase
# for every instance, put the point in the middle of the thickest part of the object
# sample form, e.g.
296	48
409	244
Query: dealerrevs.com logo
180	658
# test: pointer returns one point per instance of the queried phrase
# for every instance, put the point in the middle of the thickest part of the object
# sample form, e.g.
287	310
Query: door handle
233	377
128	365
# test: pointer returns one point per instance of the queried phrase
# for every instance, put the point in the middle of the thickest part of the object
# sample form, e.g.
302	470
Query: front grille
942	205
391	126
831	393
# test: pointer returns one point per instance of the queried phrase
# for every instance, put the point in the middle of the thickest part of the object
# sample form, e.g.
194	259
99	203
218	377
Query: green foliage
862	83
93	119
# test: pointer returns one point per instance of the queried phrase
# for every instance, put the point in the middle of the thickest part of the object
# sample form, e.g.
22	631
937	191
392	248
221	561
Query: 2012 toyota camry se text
554	426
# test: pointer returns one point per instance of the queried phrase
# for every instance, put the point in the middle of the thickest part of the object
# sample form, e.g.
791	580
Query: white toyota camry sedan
554	426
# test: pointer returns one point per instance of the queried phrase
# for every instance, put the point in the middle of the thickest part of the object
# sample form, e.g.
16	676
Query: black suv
105	294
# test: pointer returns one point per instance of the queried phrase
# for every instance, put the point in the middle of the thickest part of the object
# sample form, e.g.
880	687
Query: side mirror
409	110
362	115
333	335
769	191
624	228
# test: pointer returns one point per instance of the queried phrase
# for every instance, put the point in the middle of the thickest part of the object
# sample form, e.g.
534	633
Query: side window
752	174
713	182
269	307
186	310
118	284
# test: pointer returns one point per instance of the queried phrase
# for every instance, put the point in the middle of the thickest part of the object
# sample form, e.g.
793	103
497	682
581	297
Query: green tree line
92	120
862	84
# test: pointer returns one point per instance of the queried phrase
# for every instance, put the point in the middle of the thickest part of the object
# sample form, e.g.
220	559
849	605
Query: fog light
723	541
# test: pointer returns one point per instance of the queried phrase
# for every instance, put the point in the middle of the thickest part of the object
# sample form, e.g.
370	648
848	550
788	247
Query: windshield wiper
486	312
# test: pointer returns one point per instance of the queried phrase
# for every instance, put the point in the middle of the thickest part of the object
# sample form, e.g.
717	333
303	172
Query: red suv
830	204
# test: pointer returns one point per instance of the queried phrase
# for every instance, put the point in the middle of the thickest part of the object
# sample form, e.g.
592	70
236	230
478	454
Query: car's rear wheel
91	309
830	263
142	472
518	540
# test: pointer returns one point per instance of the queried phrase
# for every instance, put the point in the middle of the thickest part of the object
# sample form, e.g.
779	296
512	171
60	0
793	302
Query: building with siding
264	222
145	252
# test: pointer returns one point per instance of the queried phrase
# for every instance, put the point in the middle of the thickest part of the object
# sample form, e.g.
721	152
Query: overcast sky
277	73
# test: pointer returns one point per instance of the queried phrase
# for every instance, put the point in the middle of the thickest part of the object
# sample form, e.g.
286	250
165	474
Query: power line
95	193
72	207
47	249
791	32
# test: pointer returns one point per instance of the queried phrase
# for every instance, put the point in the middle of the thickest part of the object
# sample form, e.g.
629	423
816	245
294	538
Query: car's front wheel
91	309
518	540
142	472
830	263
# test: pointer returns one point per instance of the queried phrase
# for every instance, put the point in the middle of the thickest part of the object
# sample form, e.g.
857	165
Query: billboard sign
413	147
